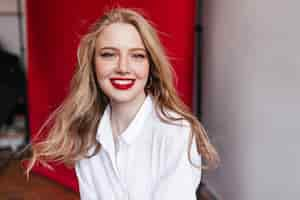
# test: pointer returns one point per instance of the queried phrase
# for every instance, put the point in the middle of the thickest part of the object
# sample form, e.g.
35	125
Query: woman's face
121	63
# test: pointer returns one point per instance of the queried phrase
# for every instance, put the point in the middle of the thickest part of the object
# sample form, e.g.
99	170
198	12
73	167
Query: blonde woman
123	126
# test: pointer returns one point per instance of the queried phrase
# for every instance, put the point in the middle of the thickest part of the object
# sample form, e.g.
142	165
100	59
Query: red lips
121	83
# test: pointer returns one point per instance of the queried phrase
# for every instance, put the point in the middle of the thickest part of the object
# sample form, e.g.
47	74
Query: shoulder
172	133
173	125
175	137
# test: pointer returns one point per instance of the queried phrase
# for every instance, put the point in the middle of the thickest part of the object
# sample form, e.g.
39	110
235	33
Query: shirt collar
104	131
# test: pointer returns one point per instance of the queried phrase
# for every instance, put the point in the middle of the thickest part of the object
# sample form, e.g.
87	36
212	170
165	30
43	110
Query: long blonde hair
73	124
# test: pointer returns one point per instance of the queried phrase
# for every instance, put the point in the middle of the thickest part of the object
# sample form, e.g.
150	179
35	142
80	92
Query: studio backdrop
54	29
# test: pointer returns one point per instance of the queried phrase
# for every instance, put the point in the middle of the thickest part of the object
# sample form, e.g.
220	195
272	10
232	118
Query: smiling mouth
122	83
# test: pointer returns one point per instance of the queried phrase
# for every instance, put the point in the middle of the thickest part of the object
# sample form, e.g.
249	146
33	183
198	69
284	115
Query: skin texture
120	53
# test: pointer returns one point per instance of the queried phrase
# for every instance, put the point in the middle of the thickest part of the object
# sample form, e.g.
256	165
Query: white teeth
122	82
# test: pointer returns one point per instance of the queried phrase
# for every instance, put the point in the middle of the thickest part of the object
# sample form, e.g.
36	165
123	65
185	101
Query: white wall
9	33
8	5
251	97
9	27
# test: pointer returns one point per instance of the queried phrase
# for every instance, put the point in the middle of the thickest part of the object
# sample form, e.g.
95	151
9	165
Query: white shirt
148	162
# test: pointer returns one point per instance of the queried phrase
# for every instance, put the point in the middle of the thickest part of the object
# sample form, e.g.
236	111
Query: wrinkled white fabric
148	162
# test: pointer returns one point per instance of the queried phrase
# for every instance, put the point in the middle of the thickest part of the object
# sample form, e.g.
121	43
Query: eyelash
140	56
109	55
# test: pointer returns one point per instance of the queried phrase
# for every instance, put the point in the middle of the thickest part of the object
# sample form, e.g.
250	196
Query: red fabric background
53	31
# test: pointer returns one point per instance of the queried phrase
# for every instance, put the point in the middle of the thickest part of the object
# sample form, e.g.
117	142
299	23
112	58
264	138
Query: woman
123	126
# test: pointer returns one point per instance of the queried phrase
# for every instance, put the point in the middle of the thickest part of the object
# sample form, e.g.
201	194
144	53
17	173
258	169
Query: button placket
120	166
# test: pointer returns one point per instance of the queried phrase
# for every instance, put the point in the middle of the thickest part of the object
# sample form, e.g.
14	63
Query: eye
107	54
139	55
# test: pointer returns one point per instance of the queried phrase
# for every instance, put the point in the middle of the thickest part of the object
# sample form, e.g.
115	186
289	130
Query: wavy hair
74	123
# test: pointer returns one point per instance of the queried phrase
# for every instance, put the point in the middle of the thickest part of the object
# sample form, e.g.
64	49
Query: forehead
119	35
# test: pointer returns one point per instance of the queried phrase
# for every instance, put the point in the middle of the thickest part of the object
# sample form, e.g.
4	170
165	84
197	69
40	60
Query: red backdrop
53	32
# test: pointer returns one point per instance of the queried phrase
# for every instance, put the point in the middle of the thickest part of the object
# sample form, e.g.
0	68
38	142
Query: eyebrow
116	49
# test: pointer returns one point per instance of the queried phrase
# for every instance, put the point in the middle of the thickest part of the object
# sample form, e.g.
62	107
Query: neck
123	113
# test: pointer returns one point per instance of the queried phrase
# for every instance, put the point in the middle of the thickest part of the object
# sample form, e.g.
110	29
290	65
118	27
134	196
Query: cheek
102	70
142	72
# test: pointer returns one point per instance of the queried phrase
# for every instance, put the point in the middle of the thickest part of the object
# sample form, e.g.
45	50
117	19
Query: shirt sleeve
85	186
178	179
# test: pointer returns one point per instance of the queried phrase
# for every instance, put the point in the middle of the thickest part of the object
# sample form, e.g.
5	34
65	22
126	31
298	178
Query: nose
123	64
